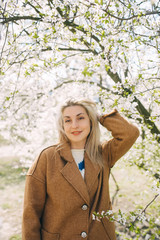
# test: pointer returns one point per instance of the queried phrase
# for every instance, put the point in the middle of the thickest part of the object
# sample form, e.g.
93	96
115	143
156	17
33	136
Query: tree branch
140	108
117	188
74	49
17	18
79	28
34	8
4	43
143	211
146	115
149	203
134	16
82	81
114	76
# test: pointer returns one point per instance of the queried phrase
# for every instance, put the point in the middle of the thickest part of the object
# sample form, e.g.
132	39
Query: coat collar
72	174
65	152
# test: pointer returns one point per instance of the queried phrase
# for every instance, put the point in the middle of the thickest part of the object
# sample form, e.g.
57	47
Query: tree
108	49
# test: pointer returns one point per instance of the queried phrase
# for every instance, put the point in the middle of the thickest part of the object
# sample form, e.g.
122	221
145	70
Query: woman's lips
76	132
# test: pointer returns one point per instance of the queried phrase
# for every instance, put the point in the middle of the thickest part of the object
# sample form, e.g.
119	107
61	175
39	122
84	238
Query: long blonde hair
92	146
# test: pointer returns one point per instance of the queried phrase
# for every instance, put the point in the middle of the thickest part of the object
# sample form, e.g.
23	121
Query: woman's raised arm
124	135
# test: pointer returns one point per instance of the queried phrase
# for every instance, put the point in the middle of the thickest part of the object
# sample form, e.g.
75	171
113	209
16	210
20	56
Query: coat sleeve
34	199
124	135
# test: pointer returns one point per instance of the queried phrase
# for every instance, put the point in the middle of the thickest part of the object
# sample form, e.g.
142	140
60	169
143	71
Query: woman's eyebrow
76	115
80	114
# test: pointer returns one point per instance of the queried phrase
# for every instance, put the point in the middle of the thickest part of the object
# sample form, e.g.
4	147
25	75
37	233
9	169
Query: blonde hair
92	146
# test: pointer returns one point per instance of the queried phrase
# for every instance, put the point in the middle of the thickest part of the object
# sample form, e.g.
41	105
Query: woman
70	180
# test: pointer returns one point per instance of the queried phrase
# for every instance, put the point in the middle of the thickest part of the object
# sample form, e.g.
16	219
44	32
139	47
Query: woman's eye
66	121
81	118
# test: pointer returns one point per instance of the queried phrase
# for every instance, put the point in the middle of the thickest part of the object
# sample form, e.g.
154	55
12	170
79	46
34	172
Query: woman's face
76	126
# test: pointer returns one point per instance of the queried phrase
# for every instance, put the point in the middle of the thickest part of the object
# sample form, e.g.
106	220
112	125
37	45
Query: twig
134	16
117	188
150	203
143	211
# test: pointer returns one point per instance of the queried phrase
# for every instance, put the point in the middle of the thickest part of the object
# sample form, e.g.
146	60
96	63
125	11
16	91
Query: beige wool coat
58	202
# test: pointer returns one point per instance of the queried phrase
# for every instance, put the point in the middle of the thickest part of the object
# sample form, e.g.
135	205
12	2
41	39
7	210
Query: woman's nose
74	124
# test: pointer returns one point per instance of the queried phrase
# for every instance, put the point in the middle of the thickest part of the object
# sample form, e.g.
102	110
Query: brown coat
58	203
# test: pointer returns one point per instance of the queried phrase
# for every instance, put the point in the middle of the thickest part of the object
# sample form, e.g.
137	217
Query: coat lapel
91	173
72	174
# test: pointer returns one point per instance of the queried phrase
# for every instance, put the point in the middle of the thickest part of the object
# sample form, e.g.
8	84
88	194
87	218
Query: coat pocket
49	236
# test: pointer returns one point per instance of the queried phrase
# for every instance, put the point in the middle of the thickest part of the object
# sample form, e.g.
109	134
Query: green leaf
35	35
1	73
131	228
86	72
26	73
74	39
107	67
7	98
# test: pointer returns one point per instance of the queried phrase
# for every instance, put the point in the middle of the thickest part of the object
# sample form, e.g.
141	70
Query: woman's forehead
74	111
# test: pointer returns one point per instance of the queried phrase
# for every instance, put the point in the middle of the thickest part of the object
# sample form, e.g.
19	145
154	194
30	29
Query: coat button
84	207
83	234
